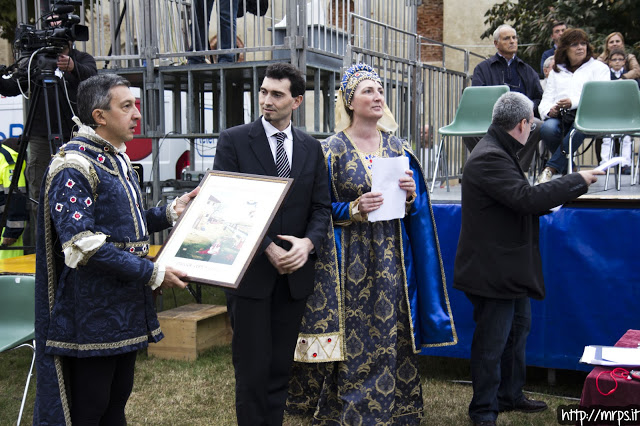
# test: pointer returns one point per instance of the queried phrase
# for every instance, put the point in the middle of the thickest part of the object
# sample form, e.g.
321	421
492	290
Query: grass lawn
202	392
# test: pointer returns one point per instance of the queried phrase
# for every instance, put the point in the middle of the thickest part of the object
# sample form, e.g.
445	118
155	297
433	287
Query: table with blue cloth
589	257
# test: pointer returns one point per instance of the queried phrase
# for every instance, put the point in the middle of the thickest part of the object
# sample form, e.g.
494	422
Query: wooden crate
191	329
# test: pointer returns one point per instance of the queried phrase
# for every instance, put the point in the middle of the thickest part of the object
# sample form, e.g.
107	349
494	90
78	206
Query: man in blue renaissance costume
380	293
94	283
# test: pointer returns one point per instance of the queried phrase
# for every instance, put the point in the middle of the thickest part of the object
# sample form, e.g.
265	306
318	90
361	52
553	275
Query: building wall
463	25
6	56
430	25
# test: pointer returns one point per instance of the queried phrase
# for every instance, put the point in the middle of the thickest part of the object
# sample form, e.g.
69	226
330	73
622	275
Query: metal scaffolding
150	41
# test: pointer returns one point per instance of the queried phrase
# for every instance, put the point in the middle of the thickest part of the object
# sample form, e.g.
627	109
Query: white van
173	152
11	118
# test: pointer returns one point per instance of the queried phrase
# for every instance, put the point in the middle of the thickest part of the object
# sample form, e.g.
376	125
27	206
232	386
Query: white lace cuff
82	249
159	277
172	211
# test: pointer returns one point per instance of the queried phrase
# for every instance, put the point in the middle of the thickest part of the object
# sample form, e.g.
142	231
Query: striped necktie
282	162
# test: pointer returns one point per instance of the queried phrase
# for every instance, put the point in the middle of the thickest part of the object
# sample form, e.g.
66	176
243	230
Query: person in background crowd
617	59
74	67
557	30
507	69
226	32
631	66
546	69
574	66
11	235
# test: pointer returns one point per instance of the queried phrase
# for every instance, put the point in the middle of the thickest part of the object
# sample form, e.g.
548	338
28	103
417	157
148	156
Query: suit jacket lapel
260	146
300	147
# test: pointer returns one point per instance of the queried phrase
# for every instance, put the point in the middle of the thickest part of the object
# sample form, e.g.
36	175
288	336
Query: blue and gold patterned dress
370	314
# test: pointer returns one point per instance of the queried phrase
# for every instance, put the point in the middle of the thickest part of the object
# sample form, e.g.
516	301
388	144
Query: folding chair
473	118
634	177
17	317
539	160
607	108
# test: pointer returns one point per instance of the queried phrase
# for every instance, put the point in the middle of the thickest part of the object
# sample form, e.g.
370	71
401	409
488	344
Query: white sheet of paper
386	173
611	356
610	163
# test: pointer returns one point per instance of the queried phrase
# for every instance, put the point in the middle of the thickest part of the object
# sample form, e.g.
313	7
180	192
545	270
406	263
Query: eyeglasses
532	126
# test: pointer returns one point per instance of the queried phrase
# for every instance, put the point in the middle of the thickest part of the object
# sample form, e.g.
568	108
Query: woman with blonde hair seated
616	41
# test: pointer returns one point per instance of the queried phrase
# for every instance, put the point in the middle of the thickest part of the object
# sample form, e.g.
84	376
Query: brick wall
338	10
430	25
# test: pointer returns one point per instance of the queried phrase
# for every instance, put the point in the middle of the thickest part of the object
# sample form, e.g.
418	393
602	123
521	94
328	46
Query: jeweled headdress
350	80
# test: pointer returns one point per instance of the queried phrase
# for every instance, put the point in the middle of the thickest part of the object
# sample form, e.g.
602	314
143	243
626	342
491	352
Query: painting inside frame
220	231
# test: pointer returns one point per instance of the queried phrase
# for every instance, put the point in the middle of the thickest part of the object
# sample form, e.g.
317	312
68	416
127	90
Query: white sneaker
545	176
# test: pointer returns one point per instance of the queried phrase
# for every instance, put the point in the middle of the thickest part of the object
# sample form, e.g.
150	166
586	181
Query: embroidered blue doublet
92	278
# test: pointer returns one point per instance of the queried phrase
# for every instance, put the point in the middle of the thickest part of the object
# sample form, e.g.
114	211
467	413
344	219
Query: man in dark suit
266	309
498	263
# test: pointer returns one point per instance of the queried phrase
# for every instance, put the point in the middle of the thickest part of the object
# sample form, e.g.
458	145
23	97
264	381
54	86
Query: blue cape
322	334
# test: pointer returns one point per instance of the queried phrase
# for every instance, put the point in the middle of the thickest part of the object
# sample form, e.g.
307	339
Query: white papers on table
610	163
386	173
611	356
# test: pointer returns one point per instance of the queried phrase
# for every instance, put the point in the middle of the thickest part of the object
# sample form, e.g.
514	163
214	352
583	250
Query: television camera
36	50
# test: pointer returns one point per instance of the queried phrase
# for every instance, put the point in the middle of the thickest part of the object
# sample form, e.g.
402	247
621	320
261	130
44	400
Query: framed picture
218	234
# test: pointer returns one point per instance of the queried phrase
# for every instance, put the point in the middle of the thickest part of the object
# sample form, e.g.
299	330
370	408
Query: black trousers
265	333
100	388
498	354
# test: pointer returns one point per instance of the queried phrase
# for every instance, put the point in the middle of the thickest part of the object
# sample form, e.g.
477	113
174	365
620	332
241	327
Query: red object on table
628	391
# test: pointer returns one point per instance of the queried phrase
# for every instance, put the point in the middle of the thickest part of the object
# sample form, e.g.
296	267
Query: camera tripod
45	81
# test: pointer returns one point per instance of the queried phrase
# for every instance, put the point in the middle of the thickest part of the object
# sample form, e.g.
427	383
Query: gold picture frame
221	229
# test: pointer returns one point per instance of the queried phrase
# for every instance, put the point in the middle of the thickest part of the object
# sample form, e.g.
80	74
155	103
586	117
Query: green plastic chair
473	118
634	180
17	318
608	108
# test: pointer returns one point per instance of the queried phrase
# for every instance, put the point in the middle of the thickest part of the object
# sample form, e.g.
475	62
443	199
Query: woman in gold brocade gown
378	298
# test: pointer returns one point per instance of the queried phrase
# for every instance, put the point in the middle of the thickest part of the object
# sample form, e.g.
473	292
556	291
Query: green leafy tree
8	17
533	19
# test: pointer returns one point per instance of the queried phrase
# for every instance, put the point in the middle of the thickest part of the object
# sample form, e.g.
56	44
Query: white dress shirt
271	131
